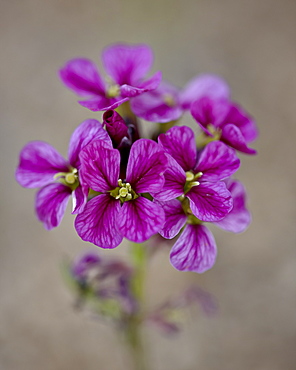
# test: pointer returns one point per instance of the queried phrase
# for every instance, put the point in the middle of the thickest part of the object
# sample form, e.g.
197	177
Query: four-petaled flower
126	65
41	166
223	120
122	209
198	175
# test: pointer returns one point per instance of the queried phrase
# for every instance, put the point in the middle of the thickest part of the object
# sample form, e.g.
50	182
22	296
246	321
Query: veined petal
243	121
87	131
210	201
179	142
195	250
175	180
82	76
98	222
51	203
100	166
217	162
127	64
102	103
239	218
232	136
148	85
204	85
175	218
207	111
146	166
39	162
140	219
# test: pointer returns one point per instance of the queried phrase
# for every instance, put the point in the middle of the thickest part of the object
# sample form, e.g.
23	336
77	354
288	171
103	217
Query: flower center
123	192
68	178
169	100
113	91
215	131
191	180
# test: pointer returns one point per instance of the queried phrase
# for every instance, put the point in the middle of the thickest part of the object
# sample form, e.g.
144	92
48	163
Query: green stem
133	330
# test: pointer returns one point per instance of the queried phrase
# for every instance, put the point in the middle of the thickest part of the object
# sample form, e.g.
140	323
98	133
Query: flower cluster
127	186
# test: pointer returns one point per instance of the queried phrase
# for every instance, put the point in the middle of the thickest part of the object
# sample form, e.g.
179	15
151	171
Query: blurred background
251	43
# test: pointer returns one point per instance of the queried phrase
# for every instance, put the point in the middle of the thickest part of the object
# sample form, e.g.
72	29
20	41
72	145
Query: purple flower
198	175
167	102
41	166
225	121
196	249
121	210
126	65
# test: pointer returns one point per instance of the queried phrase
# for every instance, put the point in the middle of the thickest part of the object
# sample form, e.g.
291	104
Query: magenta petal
140	219
239	218
195	250
243	121
179	142
79	199
102	103
232	136
217	162
204	85
87	131
148	85
127	64
207	111
146	166
175	180
210	201
39	162
98	222
81	75
152	106
175	218
51	203
100	166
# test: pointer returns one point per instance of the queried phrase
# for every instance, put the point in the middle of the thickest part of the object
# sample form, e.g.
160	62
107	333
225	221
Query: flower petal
243	121
102	103
39	162
160	105
239	218
100	166
207	111
51	203
146	166
179	142
140	219
175	218
217	162
210	201
79	198
175	180
232	136
204	85
195	250
98	222
81	75
148	85
87	131
127	64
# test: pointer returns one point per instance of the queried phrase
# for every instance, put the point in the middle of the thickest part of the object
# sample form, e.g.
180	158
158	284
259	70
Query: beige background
251	43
